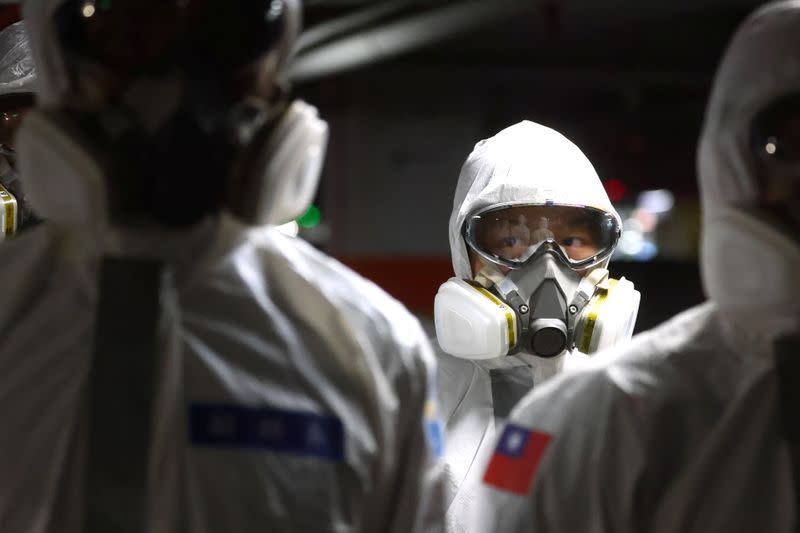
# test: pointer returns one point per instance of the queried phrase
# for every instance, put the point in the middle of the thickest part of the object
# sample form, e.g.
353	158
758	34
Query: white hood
749	268
53	83
762	62
524	163
17	72
56	88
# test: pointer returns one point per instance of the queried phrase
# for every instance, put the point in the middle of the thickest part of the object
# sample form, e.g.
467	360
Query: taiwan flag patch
513	465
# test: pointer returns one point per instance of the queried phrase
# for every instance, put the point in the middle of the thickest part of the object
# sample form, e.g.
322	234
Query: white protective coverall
252	319
679	430
525	163
293	395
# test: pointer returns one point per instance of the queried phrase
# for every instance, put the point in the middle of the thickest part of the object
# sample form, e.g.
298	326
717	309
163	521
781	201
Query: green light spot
105	4
310	218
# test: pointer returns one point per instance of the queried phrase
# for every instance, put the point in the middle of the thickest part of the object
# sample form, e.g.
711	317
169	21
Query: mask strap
490	276
596	280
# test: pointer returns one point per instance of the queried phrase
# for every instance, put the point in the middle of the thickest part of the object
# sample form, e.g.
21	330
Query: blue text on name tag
262	428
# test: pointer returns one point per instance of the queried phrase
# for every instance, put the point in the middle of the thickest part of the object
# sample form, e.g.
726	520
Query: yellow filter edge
9	206
511	320
591	318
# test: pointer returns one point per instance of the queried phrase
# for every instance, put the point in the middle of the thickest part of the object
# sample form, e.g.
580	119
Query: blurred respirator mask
13	213
543	306
174	146
9	206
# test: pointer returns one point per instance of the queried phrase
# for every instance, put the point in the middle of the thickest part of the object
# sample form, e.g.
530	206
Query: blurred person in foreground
168	363
693	426
17	95
531	234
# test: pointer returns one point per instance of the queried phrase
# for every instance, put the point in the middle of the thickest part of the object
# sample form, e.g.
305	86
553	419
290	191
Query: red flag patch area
516	458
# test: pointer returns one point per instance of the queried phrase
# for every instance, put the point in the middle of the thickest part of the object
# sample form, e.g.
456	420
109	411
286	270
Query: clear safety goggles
516	235
775	140
775	132
202	37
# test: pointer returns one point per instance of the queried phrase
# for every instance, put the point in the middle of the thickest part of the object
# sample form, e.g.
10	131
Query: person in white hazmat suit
531	233
168	363
17	88
690	427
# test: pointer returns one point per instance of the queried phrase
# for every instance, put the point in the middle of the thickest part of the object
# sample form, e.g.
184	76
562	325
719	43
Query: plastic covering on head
524	163
17	72
748	267
55	87
762	63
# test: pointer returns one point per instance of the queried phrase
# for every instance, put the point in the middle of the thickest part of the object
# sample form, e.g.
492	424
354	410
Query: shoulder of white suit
361	302
641	375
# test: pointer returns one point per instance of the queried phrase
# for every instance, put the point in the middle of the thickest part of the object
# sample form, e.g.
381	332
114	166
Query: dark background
409	87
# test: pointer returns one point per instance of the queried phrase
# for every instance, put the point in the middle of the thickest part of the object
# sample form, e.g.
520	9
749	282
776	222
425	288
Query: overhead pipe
418	31
347	24
398	37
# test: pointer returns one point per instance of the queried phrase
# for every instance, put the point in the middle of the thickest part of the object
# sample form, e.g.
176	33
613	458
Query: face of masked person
141	87
542	251
531	232
154	84
536	268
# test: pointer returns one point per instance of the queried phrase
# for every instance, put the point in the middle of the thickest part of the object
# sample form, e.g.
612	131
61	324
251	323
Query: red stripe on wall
9	15
412	280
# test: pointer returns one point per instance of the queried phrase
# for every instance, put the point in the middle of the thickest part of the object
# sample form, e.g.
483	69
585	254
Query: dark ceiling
678	37
627	80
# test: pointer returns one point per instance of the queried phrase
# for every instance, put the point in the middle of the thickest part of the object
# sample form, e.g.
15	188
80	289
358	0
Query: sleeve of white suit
569	459
418	492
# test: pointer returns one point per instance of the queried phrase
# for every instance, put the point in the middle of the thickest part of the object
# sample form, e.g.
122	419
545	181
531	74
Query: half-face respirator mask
541	289
181	113
14	212
9	206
